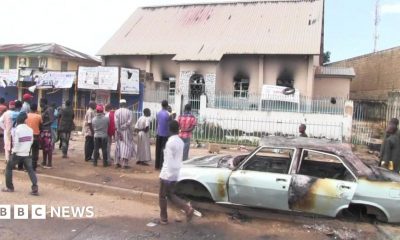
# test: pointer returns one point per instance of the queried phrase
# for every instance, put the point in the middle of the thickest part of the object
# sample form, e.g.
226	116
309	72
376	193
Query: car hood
383	174
214	161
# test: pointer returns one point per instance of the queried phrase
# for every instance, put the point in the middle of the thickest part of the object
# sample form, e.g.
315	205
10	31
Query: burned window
273	160
241	85
323	165
172	86
285	78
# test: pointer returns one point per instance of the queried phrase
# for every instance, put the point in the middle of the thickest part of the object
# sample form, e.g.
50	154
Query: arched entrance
196	89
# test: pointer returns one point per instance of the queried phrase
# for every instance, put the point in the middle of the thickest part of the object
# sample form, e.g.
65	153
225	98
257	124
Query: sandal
7	190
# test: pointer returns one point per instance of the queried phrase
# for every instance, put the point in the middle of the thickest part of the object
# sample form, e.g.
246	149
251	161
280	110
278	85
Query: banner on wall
103	78
275	93
30	74
129	81
8	78
56	80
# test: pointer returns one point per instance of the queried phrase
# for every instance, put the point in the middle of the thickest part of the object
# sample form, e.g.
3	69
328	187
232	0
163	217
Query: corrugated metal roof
45	48
208	31
335	71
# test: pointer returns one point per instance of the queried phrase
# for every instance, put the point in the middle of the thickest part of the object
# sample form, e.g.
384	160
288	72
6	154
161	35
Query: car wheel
193	190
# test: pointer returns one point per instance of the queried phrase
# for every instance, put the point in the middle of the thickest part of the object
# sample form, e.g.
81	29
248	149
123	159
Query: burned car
298	174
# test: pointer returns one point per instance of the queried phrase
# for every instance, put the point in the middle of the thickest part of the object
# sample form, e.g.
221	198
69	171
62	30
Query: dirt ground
141	178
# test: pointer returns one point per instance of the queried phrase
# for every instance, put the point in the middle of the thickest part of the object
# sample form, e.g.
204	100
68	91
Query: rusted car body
296	174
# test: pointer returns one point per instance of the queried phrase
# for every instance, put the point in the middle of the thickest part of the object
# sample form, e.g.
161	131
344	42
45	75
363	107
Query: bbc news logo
40	212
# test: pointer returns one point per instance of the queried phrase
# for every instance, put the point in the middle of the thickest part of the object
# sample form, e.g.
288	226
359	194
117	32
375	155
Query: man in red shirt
110	113
187	123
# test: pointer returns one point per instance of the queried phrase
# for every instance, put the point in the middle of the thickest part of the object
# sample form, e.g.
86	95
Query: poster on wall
129	81
30	74
102	97
8	77
56	80
275	93
104	78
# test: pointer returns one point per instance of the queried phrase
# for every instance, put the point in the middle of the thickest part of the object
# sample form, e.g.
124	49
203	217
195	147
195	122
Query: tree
327	57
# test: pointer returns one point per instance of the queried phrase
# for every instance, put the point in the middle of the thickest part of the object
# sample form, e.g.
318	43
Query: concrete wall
376	74
331	87
127	61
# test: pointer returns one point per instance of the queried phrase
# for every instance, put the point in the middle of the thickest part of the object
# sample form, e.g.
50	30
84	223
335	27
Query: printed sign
104	78
275	93
29	74
8	78
129	81
56	80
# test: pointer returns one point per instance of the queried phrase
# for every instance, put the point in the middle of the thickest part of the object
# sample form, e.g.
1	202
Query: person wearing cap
22	142
66	118
88	129
125	147
100	127
45	134
6	123
26	106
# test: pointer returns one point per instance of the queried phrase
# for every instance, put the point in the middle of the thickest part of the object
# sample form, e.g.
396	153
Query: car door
323	184
263	179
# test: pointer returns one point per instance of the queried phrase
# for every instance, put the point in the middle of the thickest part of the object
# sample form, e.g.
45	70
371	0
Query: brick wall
376	74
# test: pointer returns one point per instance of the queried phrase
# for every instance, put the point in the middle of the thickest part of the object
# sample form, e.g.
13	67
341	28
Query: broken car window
323	165
273	160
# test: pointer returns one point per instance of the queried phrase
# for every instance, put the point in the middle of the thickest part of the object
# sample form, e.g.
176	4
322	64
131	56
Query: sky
86	25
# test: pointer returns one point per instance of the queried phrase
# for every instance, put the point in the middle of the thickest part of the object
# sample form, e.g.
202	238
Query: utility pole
376	23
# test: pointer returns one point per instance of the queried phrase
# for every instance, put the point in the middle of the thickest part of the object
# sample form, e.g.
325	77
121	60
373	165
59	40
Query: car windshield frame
295	150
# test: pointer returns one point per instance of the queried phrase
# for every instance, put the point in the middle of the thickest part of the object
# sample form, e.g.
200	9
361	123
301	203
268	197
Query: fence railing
248	130
158	96
302	104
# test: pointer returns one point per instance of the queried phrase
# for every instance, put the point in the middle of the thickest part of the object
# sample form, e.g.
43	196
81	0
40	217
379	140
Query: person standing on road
22	142
390	149
3	106
187	123
100	127
45	135
88	128
142	127
3	109
54	125
26	106
34	121
125	147
169	175
302	130
110	114
162	133
66	125
6	124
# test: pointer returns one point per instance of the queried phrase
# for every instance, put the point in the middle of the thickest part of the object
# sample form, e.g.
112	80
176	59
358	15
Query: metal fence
249	130
158	96
303	104
369	121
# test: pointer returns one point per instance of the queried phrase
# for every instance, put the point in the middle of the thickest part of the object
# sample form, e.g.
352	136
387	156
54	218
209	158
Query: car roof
325	145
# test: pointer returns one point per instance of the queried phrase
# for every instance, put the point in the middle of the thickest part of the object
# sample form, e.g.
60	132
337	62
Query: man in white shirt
22	138
169	174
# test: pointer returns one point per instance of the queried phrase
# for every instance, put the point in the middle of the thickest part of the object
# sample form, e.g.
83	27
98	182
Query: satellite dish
32	88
